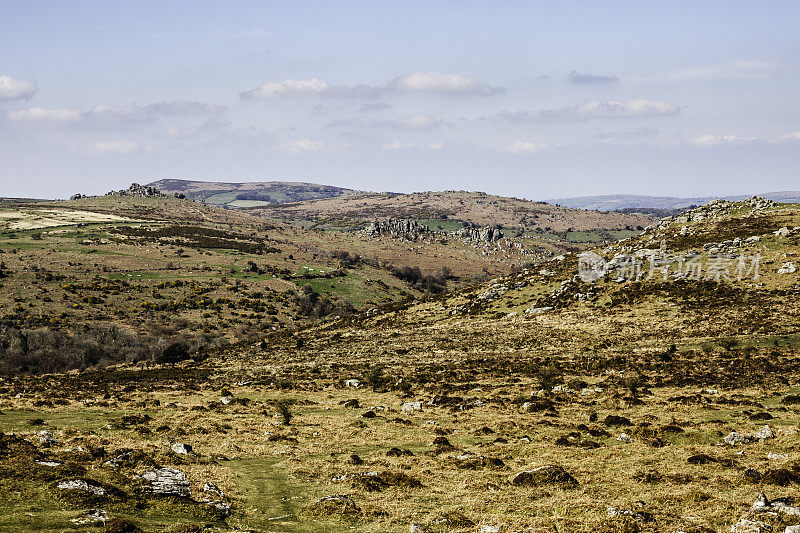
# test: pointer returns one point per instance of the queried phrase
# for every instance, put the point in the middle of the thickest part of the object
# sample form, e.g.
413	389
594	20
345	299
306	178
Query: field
534	400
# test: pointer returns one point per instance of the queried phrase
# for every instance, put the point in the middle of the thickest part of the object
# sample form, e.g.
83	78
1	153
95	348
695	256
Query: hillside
650	385
455	207
612	202
250	194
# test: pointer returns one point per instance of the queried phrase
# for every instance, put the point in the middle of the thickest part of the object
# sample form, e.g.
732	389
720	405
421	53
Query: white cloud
423	82
525	147
38	115
288	89
706	141
595	109
13	89
117	147
304	146
793	137
400	145
419	122
437	82
112	115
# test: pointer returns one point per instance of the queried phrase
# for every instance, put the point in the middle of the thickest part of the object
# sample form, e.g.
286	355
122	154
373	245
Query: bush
174	353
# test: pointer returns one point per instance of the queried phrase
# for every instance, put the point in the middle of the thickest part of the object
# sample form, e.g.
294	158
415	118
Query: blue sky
528	99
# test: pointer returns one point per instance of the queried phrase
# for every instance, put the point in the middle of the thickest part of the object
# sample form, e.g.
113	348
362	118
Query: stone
777	456
782	232
335	504
79	484
764	433
733	438
223	509
792	529
416	527
491	529
623	437
352	383
226	400
46	438
410	407
213	489
748	526
168	481
787	268
181	448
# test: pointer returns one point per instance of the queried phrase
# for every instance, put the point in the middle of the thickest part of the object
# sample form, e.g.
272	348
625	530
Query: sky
528	99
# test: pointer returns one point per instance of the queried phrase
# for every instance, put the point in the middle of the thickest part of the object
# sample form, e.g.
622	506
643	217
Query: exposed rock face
486	234
139	191
410	230
168	482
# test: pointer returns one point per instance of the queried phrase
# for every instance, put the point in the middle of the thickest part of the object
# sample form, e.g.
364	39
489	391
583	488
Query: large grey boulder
168	481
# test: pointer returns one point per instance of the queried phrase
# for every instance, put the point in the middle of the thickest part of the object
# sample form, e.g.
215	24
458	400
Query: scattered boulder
82	485
733	438
787	268
213	489
180	448
764	433
168	481
410	407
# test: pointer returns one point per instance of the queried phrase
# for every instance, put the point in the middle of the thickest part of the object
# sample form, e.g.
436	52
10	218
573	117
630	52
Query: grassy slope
478	208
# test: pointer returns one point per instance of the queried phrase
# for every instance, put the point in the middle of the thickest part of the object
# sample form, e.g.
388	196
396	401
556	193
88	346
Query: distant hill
614	202
253	194
455	207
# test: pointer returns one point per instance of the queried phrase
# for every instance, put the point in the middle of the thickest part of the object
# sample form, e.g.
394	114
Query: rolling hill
249	194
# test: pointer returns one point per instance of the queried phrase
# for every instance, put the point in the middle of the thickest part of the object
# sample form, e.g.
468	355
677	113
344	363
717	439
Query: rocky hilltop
135	191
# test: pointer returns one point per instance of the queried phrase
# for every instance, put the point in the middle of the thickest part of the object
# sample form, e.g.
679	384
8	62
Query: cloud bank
594	110
111	116
417	82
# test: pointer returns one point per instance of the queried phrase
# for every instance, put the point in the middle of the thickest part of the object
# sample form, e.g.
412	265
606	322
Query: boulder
733	438
181	448
787	268
80	484
764	433
410	407
168	481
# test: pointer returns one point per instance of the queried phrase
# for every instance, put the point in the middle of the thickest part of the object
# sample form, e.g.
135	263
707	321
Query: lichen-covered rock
168	482
82	485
